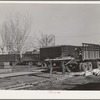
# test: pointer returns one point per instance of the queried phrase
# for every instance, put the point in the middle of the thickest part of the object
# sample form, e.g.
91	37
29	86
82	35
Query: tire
54	64
44	65
90	67
84	67
67	68
13	63
39	64
80	66
10	63
30	63
98	64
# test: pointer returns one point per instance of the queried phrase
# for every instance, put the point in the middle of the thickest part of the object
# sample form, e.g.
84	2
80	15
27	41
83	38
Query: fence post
51	69
63	67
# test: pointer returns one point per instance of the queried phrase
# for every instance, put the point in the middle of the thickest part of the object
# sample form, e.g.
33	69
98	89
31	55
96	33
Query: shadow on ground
89	86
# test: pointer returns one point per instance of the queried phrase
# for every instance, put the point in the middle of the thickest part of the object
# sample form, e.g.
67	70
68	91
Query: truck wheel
39	64
84	67
30	63
98	64
54	64
89	66
67	68
44	65
80	66
13	63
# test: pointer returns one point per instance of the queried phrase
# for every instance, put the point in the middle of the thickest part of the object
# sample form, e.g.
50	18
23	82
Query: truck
74	58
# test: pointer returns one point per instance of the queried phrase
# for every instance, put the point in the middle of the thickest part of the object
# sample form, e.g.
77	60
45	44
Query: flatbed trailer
58	54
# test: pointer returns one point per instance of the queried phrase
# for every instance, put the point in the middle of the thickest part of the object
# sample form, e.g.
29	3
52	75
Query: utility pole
54	40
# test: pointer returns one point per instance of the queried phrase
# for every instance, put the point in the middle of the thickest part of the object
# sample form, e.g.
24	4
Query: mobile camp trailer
26	58
82	58
58	51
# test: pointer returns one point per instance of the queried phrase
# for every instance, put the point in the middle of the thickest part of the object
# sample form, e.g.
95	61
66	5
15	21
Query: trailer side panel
9	58
50	52
30	57
90	51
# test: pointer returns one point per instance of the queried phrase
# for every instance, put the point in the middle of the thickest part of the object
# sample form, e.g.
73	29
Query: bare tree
2	48
15	32
44	40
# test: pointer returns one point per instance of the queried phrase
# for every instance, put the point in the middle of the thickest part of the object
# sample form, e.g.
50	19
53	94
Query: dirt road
71	83
59	81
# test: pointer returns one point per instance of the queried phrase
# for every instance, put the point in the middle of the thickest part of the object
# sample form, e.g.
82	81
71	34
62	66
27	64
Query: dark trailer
58	51
13	59
81	58
9	58
57	54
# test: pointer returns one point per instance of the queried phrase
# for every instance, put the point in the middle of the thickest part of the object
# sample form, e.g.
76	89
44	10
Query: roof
60	46
53	46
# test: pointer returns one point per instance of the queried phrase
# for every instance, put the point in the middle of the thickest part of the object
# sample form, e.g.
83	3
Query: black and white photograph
49	47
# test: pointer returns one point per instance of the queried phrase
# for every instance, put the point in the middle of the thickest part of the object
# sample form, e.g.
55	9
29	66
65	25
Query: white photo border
49	94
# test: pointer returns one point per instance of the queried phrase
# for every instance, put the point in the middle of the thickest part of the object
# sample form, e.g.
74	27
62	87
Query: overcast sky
70	23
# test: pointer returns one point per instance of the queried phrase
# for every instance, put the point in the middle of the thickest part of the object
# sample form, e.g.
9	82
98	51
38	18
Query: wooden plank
18	74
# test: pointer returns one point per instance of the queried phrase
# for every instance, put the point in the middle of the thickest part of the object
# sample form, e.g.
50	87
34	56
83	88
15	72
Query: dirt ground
24	68
71	83
57	82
